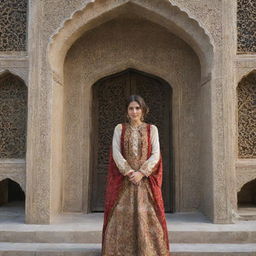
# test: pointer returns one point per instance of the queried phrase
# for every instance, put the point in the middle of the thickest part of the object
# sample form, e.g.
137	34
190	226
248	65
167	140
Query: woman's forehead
134	104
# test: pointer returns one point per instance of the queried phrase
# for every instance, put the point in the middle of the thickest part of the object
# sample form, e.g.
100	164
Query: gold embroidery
134	229
136	160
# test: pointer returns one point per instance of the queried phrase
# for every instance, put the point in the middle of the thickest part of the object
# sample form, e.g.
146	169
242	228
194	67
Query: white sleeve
121	163
148	165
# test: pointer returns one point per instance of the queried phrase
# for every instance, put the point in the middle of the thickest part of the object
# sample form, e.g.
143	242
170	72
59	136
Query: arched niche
130	41
11	192
13	115
246	101
16	72
246	197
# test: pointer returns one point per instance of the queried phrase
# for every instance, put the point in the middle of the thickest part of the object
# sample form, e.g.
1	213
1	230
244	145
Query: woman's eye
137	108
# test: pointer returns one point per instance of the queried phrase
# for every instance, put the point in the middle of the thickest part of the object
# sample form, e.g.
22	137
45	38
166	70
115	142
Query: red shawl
114	185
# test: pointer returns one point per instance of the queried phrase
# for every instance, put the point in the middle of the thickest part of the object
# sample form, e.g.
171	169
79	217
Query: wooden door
109	98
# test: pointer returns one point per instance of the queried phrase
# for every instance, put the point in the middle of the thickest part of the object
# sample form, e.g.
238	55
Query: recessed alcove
13	116
246	108
10	192
130	35
246	198
121	44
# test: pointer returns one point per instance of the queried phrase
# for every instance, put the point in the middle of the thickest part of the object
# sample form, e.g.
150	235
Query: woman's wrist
141	173
129	172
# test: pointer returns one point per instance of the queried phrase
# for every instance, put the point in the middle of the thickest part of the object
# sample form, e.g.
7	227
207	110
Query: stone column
38	158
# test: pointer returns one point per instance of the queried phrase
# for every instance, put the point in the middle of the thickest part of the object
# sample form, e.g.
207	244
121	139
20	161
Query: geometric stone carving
73	27
246	26
13	23
13	117
246	93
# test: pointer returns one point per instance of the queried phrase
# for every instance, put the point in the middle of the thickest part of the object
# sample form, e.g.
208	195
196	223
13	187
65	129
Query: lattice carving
156	98
111	108
13	117
246	26
13	16
246	92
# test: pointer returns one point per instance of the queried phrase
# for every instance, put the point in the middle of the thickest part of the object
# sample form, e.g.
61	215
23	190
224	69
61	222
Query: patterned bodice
135	145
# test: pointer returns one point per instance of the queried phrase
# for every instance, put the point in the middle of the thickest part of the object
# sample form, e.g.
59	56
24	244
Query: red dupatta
115	181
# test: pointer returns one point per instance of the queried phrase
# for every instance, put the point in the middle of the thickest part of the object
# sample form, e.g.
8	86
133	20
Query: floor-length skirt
133	228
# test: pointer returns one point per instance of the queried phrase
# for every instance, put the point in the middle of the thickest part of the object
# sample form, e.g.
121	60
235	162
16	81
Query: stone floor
77	234
247	212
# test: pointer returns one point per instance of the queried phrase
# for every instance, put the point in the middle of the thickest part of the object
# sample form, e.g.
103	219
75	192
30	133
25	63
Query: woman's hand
136	177
130	173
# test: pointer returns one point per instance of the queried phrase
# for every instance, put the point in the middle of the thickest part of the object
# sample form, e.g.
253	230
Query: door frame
94	135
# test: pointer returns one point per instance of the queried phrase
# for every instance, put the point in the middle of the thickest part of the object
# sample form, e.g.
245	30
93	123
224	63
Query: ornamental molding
97	12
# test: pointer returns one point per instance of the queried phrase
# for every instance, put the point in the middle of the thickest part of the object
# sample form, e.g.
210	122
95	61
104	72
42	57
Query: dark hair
140	101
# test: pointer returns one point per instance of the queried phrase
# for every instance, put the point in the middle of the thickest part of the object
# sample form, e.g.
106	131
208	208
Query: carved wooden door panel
109	96
156	94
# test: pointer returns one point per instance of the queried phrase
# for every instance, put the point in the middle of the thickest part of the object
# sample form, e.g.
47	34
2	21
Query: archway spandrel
162	12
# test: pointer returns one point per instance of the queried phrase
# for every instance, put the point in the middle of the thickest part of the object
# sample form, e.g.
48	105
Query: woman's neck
135	123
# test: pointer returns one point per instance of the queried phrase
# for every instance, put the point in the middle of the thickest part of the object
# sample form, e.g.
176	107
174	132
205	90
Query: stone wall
51	79
209	30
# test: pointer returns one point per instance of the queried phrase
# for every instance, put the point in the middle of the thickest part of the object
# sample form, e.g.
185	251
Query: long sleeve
149	164
121	163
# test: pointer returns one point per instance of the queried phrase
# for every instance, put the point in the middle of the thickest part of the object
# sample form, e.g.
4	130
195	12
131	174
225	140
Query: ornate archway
161	12
72	84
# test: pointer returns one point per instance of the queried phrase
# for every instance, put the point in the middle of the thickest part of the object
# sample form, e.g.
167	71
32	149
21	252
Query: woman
134	220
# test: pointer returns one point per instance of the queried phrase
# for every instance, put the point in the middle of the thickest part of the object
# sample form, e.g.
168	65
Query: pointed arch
246	93
19	180
97	12
19	75
247	192
248	73
13	115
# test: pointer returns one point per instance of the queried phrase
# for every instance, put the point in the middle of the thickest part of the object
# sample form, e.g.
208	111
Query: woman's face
134	111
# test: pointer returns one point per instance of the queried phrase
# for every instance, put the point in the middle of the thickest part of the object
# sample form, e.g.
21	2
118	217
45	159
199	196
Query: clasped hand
135	177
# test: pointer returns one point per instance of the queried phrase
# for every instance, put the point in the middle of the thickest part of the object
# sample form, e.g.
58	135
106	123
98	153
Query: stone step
69	249
88	237
86	228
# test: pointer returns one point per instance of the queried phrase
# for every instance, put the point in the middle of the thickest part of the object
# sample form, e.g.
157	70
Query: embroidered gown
134	225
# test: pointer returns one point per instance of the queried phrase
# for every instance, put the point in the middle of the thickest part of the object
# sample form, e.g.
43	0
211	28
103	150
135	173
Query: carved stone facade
246	92
13	25
13	117
246	26
191	45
